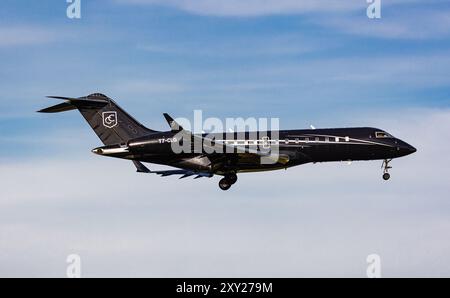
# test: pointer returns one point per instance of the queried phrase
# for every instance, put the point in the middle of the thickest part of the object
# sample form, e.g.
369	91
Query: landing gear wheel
232	178
225	184
386	168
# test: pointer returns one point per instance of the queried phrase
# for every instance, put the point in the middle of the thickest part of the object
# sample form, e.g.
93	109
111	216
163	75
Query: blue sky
306	62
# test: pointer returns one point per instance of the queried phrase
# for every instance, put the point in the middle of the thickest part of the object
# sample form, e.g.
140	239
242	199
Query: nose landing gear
226	182
385	166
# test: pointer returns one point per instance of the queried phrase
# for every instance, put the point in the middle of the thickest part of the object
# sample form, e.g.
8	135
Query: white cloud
146	86
407	70
253	7
25	36
313	220
239	46
400	19
351	73
401	23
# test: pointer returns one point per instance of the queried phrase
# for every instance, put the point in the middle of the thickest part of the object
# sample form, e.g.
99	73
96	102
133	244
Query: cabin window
266	143
337	139
382	134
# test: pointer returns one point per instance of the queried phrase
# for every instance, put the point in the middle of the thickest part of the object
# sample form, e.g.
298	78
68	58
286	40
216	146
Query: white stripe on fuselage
352	141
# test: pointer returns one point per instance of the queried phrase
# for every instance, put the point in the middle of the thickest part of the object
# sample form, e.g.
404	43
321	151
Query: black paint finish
126	138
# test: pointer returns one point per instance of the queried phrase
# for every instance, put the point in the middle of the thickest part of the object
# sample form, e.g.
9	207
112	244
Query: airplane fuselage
297	146
226	154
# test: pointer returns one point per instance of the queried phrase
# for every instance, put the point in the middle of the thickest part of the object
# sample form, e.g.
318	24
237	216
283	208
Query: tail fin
110	122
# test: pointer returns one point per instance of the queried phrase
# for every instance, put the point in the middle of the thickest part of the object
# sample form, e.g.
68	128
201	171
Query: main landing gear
385	166
226	182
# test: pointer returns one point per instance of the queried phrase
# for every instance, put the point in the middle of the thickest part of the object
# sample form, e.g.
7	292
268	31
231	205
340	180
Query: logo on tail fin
109	119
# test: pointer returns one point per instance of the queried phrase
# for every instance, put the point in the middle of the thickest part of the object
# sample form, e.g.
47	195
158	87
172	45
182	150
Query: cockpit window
382	134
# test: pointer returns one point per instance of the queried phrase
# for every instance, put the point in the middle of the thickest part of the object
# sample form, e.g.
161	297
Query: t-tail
109	121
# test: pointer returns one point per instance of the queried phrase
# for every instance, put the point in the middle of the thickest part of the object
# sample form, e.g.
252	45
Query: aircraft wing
266	155
184	173
215	146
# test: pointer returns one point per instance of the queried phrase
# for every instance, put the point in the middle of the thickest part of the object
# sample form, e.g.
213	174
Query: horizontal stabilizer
82	99
61	97
110	122
74	103
62	107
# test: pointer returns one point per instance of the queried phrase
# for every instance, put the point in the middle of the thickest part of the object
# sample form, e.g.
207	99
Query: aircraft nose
411	149
406	148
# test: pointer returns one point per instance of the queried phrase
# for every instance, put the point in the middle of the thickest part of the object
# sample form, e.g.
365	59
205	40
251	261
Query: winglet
172	123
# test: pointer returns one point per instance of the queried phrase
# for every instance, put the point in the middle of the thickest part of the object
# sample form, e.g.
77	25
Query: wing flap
141	168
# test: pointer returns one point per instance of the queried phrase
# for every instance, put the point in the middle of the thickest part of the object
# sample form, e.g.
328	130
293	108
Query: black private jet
229	153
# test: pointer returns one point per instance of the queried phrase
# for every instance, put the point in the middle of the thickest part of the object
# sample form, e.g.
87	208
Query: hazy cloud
405	19
57	198
415	24
253	7
25	36
327	220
